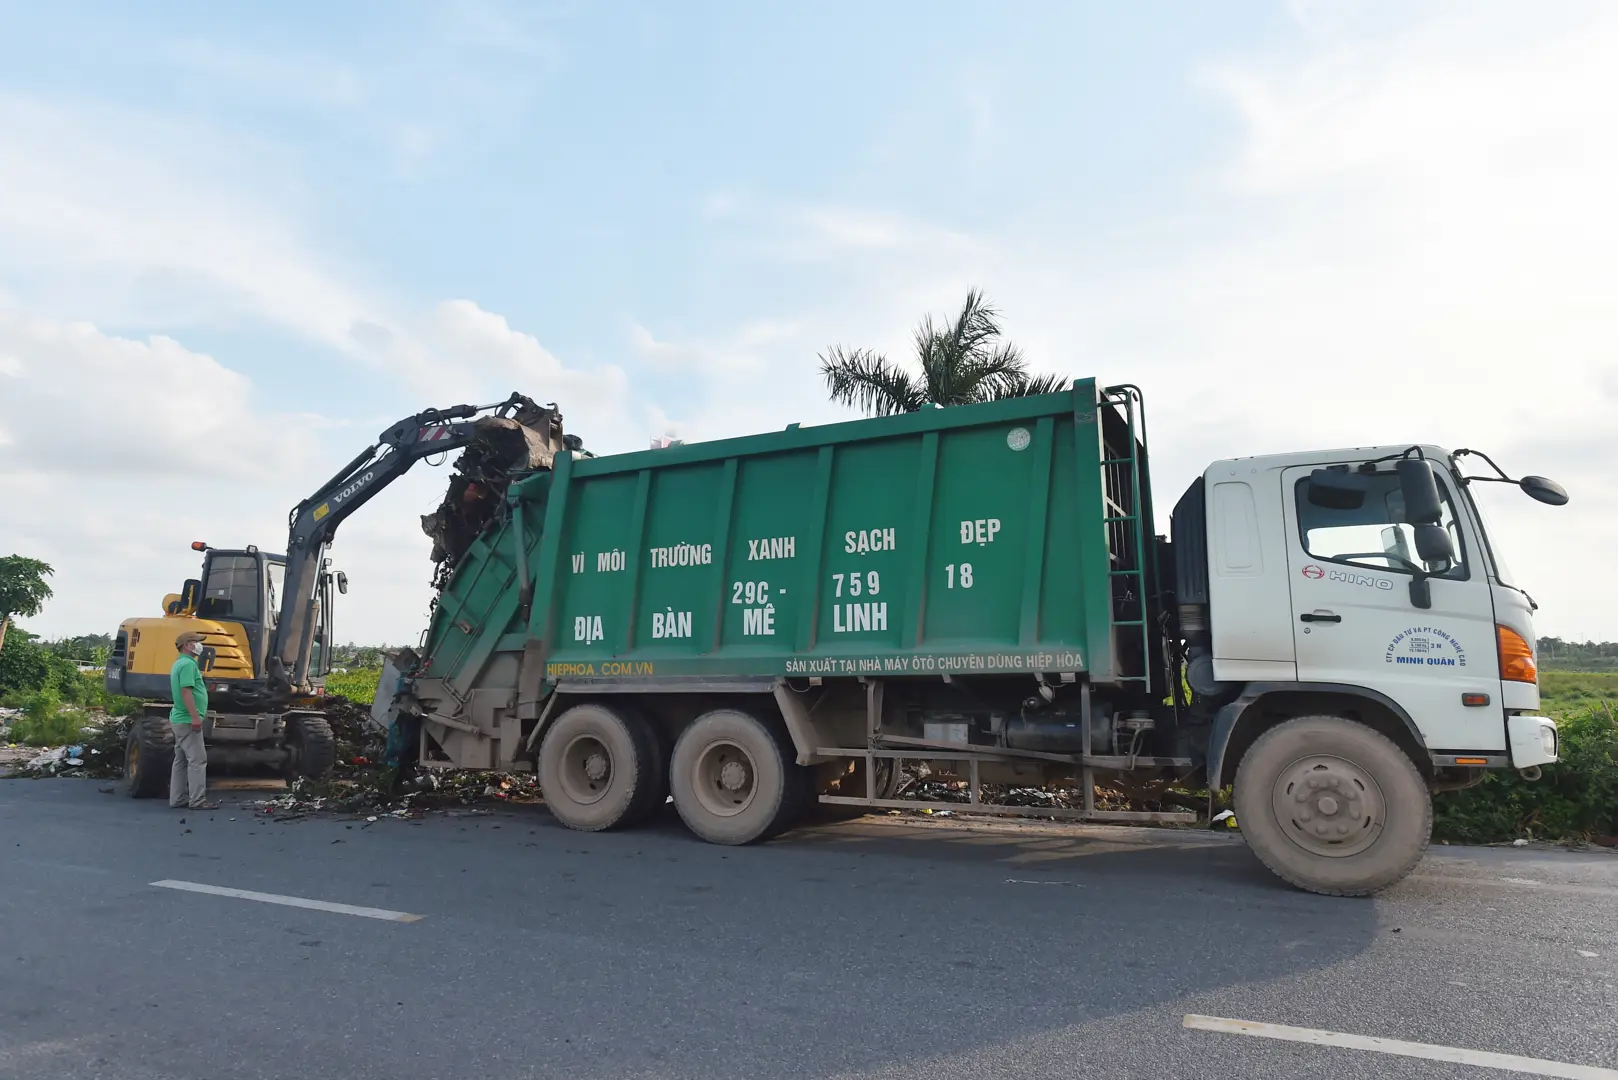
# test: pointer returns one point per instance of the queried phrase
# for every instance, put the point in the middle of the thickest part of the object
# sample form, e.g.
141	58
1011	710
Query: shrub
117	705
1575	799
45	723
25	666
357	685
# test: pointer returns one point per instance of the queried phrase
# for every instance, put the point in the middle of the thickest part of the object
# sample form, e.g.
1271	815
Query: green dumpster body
975	539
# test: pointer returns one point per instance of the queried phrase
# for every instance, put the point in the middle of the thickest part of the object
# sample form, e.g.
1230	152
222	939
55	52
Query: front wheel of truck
1332	806
600	768
734	778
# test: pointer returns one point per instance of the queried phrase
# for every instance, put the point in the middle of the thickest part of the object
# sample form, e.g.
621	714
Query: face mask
195	648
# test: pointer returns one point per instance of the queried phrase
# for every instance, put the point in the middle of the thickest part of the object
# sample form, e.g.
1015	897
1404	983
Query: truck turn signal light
1516	656
198	545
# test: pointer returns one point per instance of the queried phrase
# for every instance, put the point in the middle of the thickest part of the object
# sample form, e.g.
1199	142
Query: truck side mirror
1433	544
342	583
1338	489
1420	490
1543	490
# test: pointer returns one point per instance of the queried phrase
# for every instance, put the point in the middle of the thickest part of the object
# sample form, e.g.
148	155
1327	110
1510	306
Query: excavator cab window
275	575
231	589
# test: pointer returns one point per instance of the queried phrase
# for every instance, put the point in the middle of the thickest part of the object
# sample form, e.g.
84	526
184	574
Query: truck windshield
1491	537
1374	533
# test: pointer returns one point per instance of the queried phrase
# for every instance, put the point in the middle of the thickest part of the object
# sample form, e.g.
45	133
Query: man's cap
187	638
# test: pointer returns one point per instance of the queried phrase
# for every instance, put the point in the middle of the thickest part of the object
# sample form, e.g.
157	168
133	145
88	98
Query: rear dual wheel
735	779
601	768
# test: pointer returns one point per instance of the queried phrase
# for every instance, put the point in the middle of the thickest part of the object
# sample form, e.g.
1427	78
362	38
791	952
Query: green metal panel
969	539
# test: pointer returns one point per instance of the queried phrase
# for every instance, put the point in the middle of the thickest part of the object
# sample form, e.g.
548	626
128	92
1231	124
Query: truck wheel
1332	806
599	768
734	778
148	757
311	747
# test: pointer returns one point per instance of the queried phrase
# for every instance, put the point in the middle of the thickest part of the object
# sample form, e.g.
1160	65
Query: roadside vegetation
1576	799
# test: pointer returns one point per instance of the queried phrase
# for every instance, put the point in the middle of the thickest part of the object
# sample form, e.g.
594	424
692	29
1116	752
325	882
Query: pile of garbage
377	793
925	789
99	757
505	448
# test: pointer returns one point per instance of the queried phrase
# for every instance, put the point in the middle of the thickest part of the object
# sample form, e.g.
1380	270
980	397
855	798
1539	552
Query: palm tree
961	363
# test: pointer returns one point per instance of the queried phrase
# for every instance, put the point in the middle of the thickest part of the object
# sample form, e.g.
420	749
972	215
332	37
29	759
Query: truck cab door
1355	620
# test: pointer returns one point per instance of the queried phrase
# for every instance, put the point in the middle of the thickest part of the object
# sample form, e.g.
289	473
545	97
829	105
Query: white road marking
290	901
1030	881
1431	1051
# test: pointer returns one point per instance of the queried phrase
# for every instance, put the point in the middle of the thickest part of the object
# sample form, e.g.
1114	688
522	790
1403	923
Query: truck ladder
1126	522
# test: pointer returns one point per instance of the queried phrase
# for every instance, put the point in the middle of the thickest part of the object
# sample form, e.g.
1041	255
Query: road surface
501	945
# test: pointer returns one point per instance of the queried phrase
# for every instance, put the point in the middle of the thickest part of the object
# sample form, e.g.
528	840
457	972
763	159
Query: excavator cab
235	603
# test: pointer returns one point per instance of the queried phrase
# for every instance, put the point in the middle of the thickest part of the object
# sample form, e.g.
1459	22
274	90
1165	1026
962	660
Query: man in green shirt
188	780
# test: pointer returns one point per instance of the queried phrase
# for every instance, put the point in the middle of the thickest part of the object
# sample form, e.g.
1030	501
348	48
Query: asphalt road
875	948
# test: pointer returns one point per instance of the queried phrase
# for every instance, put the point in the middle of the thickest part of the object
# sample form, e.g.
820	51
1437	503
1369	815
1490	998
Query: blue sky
236	242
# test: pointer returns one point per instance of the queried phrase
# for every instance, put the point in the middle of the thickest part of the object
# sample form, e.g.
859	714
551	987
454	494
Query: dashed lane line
290	901
1431	1051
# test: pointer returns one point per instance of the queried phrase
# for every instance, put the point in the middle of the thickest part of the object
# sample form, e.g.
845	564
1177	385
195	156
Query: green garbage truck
753	625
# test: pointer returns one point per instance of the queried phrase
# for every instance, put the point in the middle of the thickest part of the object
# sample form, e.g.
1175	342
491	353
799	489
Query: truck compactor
754	624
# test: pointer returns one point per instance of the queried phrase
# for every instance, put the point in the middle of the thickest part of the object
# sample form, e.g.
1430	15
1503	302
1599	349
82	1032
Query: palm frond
994	374
866	380
1032	385
976	326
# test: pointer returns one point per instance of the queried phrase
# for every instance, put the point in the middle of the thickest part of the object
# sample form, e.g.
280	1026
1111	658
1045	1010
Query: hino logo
1361	579
352	488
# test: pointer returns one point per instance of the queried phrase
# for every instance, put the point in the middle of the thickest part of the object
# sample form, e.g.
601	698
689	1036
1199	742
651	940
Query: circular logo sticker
1018	438
1313	572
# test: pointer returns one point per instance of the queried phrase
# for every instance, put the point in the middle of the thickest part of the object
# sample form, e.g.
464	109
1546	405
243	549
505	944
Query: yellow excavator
266	619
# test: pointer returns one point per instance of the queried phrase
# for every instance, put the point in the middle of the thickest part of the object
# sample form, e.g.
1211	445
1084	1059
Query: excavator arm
313	522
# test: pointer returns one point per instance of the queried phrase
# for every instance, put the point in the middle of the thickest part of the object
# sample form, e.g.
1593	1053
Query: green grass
1566	692
357	684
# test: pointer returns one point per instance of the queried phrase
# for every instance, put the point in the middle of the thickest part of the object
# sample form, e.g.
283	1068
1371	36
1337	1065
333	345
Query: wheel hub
725	779
1328	806
733	776
586	769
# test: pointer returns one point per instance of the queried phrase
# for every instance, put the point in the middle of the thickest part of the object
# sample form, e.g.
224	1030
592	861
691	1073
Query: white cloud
146	222
80	403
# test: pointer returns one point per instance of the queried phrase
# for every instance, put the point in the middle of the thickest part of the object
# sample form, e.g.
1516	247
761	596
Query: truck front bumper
1533	740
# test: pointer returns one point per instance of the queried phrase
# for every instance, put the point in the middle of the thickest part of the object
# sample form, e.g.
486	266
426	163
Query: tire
312	747
148	757
735	779
1333	807
600	768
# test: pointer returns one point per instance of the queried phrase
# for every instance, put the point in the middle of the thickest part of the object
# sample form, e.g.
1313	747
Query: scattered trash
1519	842
100	756
1227	816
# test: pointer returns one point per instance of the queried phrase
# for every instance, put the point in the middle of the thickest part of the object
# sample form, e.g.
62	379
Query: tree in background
961	363
23	589
1594	656
86	648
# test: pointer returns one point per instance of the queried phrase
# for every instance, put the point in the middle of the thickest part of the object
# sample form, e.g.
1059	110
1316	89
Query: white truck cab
1361	586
